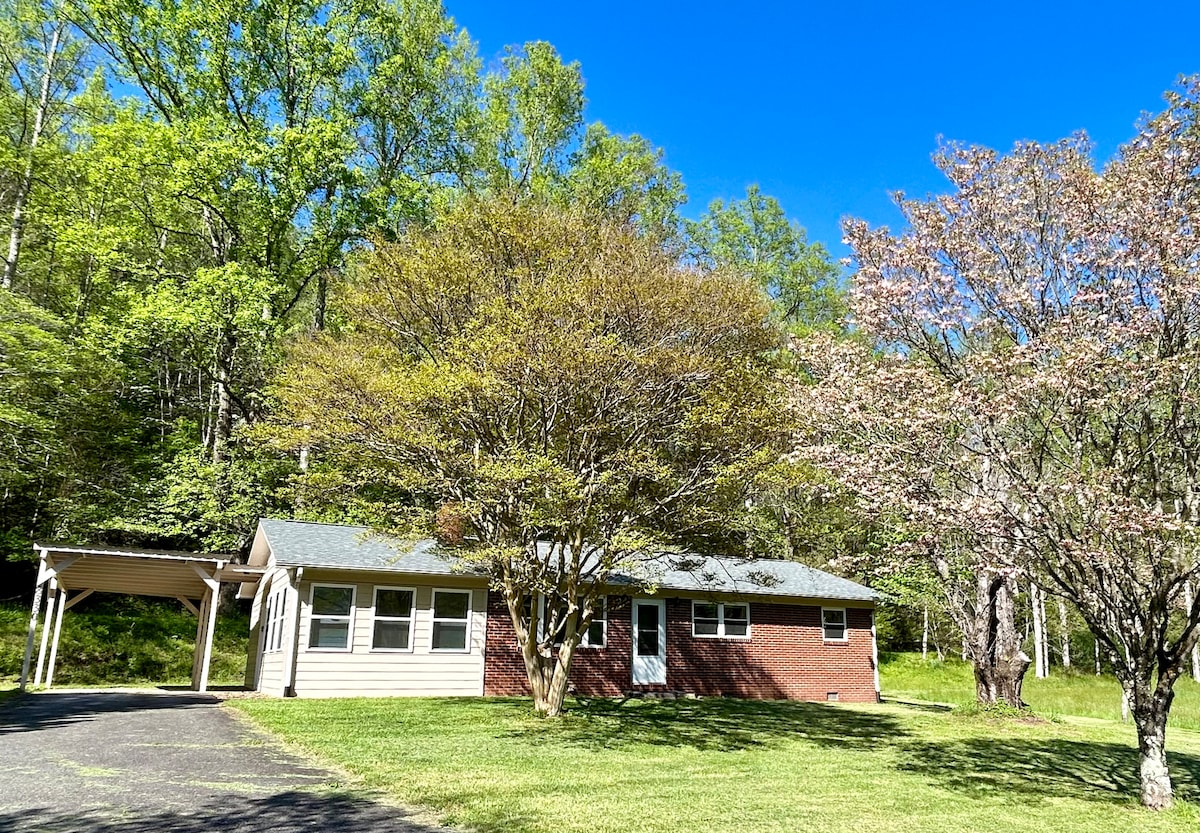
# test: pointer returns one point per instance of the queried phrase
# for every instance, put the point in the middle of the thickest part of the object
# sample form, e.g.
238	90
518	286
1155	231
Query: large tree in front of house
1059	304
560	395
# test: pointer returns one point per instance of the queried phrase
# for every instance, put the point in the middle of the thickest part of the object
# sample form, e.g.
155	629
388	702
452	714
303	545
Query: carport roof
141	572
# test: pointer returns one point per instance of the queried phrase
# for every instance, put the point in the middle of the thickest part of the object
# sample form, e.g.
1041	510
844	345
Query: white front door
649	642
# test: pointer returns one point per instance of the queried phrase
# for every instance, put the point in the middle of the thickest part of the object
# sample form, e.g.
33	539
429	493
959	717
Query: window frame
349	618
435	620
584	640
411	619
721	634
845	637
274	613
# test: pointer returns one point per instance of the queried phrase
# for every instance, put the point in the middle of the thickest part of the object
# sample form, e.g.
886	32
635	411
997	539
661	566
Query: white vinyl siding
419	671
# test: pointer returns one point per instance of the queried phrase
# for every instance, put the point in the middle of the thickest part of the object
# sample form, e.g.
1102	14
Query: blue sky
829	107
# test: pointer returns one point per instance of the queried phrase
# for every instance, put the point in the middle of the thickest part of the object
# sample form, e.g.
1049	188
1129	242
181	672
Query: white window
392	619
451	621
833	622
273	621
720	619
331	617
597	632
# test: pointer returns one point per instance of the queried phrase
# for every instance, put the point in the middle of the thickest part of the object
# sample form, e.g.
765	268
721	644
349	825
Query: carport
68	574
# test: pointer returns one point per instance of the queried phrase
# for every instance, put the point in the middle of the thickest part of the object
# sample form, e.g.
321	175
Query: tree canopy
558	394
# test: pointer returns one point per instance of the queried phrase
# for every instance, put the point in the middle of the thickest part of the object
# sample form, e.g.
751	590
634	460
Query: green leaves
755	238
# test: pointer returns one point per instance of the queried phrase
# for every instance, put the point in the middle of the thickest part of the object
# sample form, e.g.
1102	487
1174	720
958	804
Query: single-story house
339	611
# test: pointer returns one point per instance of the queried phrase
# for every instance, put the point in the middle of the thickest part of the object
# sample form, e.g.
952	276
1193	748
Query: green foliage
755	237
124	641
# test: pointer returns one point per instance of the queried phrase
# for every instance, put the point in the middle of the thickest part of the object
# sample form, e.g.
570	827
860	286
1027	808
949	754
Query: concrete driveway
169	762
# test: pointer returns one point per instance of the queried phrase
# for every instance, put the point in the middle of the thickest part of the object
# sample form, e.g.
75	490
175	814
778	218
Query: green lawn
1074	692
723	765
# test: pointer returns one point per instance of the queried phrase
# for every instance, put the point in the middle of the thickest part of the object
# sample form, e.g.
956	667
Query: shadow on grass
982	767
286	812
715	724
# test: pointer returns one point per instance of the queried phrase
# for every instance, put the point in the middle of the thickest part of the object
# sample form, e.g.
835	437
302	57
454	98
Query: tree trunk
1188	598
1064	633
1150	710
16	231
999	662
223	423
925	636
1039	632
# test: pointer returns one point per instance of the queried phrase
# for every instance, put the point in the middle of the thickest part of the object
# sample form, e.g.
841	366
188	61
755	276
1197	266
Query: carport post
33	620
206	627
51	598
62	606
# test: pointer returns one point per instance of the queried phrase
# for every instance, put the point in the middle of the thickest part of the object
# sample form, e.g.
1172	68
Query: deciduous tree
1059	304
558	392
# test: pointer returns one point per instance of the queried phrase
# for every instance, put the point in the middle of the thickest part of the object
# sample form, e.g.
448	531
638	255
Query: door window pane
647	637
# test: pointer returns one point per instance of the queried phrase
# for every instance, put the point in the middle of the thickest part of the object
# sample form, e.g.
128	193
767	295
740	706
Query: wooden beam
209	579
189	605
79	597
51	570
62	606
33	619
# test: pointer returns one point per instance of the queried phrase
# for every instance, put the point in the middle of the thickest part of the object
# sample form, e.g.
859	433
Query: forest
186	188
326	261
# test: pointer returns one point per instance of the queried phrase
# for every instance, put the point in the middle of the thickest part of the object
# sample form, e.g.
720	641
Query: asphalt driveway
169	762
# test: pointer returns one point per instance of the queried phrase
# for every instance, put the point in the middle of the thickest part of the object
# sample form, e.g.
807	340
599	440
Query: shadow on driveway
125	761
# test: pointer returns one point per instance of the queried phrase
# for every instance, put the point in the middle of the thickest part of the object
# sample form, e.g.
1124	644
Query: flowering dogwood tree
1060	307
891	431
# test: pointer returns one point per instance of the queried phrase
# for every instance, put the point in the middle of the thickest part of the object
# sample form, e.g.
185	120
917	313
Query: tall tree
755	237
557	391
889	432
43	61
1059	303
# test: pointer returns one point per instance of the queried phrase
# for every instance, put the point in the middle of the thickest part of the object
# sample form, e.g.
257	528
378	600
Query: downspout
875	657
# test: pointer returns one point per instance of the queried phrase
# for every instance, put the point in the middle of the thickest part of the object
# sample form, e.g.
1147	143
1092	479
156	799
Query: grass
717	765
1074	692
113	640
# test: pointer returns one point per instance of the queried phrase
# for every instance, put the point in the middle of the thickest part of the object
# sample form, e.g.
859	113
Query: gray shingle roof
332	546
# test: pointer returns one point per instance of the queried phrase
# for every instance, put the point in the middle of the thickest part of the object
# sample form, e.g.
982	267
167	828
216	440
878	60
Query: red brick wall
785	658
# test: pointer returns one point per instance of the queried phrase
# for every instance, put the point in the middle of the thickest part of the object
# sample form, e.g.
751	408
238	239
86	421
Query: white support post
62	606
205	627
47	624
214	601
33	621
